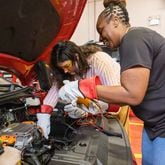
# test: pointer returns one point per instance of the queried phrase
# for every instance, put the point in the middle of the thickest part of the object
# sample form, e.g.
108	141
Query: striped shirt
102	65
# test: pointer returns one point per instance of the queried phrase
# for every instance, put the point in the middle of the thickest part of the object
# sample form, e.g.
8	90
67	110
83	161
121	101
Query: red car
29	29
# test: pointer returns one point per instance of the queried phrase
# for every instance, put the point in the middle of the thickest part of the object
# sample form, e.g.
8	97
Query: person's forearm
116	95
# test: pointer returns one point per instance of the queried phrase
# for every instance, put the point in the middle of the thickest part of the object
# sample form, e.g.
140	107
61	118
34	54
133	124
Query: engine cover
92	147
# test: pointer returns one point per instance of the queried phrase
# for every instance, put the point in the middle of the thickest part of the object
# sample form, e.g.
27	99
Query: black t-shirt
146	48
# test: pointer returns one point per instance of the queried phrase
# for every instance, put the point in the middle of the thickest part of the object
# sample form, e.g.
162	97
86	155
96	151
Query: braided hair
116	8
107	2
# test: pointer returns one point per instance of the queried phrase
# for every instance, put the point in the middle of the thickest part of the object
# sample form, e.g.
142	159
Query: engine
18	123
71	141
20	135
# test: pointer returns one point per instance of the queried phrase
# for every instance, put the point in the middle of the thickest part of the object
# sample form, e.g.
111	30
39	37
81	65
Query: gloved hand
44	123
74	111
44	119
102	105
95	107
79	88
11	156
80	110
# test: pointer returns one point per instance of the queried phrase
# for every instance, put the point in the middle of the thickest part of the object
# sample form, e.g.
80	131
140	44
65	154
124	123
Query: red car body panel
69	13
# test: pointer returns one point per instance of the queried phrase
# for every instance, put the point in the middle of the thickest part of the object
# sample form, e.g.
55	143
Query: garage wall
148	13
86	29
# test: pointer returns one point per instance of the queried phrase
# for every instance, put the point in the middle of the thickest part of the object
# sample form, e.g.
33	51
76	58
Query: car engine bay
92	140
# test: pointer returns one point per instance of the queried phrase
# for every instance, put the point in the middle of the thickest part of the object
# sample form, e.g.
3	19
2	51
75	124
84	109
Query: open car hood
29	30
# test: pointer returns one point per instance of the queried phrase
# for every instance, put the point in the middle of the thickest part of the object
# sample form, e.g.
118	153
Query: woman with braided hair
142	61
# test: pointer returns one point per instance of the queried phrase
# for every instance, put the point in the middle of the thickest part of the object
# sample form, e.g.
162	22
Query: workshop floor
135	133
